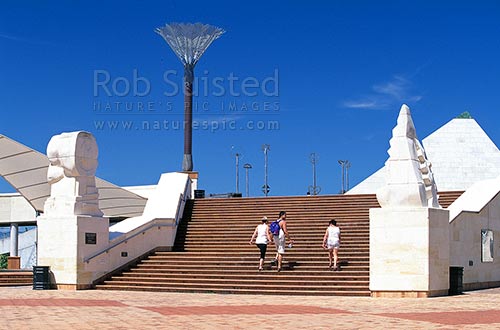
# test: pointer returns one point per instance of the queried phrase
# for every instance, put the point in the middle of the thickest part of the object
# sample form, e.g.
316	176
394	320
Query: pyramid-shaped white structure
461	154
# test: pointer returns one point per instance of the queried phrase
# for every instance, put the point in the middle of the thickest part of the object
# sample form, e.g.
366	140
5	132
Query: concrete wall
409	252
15	208
156	228
465	243
62	247
152	235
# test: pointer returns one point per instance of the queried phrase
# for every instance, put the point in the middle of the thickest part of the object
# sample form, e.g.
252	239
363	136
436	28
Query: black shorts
263	249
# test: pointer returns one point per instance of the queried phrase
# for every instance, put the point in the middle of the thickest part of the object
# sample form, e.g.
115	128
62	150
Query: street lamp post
265	187
247	167
345	165
314	189
237	155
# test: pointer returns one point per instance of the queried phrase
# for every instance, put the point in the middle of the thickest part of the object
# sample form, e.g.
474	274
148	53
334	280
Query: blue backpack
274	228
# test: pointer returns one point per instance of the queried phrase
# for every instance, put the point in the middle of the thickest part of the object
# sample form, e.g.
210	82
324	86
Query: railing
225	195
147	226
180	207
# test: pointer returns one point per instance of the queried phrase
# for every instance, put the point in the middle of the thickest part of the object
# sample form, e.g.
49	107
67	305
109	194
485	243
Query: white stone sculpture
71	174
409	179
427	176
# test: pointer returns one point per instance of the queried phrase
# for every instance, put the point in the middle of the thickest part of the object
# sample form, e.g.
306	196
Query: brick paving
23	308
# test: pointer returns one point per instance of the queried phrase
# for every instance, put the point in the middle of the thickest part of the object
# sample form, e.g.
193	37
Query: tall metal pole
265	188
314	189
345	165
187	161
237	172
314	170
341	163
247	167
348	165
343	177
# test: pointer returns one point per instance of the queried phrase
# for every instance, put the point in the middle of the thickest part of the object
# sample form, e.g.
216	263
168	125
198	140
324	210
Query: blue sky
344	68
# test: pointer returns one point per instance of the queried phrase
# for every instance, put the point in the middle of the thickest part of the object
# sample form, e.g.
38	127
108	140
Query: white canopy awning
26	170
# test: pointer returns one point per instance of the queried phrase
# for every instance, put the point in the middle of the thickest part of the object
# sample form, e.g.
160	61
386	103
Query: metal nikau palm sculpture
189	42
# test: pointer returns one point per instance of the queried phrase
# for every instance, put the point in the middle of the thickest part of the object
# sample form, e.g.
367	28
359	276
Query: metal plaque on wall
90	238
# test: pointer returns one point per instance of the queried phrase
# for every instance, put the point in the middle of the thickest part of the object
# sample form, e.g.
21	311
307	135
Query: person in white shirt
262	236
331	242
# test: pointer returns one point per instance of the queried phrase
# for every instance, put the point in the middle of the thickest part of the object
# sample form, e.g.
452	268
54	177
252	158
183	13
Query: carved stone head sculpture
71	155
71	174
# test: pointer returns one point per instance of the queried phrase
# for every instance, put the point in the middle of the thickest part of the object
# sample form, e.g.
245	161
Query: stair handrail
150	224
182	202
183	197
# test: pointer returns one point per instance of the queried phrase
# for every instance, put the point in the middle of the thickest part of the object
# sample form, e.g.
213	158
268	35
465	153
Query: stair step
261	276
15	278
302	248
230	258
253	223
295	253
297	243
288	292
182	272
248	267
316	261
346	243
249	285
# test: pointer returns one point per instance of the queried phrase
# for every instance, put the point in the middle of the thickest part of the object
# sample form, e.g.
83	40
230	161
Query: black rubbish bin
456	280
199	194
41	278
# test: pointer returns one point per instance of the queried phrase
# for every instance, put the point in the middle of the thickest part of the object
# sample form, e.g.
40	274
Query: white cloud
24	40
386	95
221	118
362	104
396	87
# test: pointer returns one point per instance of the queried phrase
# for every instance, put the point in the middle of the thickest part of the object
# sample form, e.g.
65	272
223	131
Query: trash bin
41	278
456	280
199	194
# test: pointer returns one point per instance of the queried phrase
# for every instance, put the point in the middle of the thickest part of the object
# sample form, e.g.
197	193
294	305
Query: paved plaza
23	308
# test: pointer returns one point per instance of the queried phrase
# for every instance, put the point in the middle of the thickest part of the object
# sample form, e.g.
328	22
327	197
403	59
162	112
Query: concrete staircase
16	278
212	253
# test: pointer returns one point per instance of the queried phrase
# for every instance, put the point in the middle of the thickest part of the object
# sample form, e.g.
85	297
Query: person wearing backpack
331	242
279	237
262	236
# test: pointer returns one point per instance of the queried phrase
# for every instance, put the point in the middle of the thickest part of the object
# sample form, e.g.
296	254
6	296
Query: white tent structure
26	170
